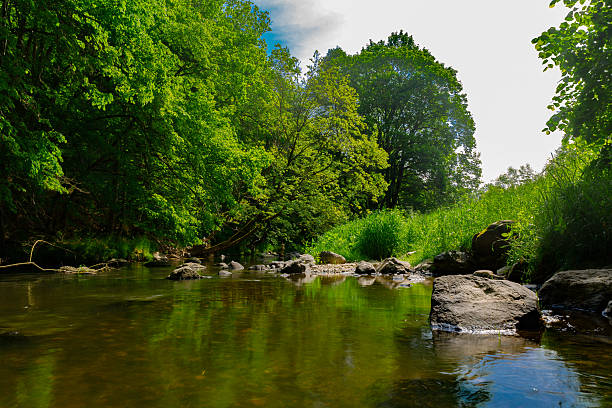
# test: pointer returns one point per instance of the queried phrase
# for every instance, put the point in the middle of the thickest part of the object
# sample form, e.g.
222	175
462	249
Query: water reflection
131	338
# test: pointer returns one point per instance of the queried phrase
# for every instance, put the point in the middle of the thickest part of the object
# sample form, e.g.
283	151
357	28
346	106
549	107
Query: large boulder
365	268
490	246
393	266
589	289
468	303
328	257
187	271
452	263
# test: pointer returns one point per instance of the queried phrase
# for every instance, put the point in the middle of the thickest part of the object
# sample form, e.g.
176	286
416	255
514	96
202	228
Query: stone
588	290
225	273
295	267
503	271
393	266
306	259
185	272
290	256
258	268
608	311
365	268
452	263
193	266
328	257
222	265
517	271
158	261
468	303
424	267
483	273
193	259
235	266
82	270
277	264
490	246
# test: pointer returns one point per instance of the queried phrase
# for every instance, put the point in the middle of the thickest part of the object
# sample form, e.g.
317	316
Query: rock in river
158	261
328	257
468	303
294	267
235	266
365	268
392	266
589	289
186	272
452	263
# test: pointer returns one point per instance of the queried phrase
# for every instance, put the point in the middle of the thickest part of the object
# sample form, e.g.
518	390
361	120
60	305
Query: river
130	338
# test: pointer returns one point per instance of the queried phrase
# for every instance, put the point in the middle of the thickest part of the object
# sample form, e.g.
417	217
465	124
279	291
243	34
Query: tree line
172	121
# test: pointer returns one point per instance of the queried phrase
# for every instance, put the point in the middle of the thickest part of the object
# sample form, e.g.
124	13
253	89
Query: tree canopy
581	48
416	107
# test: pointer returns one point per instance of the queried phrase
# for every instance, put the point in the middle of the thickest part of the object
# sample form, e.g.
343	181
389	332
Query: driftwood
97	267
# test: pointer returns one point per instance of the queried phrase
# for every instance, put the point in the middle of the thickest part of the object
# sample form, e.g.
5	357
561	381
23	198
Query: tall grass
563	220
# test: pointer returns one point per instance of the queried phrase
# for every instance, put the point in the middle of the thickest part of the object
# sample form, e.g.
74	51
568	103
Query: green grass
564	220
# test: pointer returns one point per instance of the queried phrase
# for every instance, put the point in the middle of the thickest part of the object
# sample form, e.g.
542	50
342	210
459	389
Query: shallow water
130	338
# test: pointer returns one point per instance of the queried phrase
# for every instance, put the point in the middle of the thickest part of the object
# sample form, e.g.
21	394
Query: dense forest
139	125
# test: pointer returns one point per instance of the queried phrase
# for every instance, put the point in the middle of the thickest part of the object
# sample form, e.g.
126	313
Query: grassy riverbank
564	220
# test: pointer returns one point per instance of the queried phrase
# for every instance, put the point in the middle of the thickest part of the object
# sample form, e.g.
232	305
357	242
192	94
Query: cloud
300	23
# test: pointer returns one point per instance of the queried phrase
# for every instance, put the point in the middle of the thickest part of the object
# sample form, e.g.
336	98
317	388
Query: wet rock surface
186	272
589	290
452	263
327	257
365	268
393	266
468	303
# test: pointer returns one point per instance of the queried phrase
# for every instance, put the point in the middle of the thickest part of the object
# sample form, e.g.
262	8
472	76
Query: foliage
580	47
514	177
415	106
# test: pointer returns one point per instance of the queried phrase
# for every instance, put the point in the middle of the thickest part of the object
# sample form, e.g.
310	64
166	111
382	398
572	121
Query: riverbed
130	338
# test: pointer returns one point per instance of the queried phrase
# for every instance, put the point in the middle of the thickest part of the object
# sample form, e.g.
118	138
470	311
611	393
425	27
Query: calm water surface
130	338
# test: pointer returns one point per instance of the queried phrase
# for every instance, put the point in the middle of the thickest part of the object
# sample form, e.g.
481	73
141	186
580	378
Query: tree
416	108
581	48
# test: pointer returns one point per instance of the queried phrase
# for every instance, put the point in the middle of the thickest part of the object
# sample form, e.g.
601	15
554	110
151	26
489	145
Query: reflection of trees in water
468	370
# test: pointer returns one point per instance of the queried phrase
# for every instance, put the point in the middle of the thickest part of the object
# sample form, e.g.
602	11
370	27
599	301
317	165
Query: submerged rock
392	266
225	273
117	262
258	268
365	268
589	289
295	267
222	265
468	303
328	257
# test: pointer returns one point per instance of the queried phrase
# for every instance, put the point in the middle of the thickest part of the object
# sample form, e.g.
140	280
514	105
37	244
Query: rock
608	311
503	271
193	260
277	264
306	259
517	271
483	273
225	273
327	257
589	290
490	246
117	262
258	268
452	263
185	272
193	266
424	267
468	303
290	256
365	268
235	266
294	267
82	270
222	265
158	261
393	266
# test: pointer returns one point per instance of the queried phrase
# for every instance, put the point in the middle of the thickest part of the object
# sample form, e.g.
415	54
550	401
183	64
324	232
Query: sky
487	41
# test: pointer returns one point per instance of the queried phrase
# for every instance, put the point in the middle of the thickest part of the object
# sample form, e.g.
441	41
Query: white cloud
487	41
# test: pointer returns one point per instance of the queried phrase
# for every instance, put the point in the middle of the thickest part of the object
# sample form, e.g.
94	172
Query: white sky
487	41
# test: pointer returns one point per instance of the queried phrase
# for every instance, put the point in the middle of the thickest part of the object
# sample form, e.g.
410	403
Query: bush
383	235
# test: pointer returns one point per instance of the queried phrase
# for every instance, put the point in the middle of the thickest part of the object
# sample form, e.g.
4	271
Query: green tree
416	108
581	48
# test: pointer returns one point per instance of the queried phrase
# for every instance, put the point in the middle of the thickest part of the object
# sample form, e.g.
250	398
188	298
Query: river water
130	338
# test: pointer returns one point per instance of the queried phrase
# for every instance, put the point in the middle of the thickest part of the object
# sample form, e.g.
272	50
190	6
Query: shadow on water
131	338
